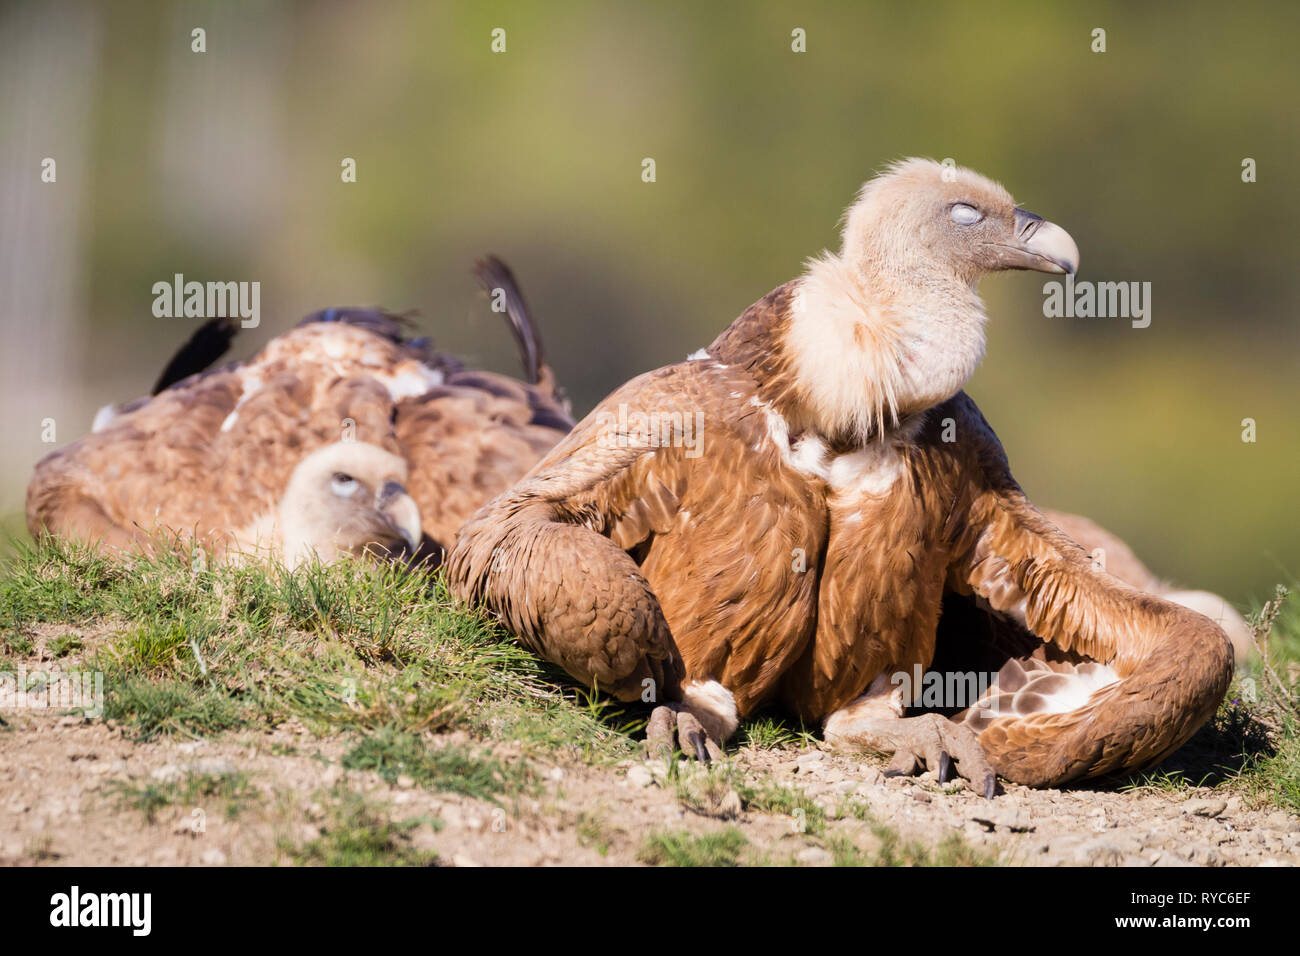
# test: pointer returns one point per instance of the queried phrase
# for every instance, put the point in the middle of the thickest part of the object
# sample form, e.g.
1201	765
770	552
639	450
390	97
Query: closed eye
343	485
964	214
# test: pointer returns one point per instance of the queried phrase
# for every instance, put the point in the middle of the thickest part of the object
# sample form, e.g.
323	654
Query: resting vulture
342	435
781	517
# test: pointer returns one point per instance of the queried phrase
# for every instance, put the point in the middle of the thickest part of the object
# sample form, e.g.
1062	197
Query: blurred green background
225	165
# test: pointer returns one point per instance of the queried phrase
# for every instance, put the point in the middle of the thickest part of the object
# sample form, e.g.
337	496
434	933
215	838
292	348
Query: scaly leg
874	722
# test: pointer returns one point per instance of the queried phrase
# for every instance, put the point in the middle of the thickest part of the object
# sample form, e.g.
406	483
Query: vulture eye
343	485
965	215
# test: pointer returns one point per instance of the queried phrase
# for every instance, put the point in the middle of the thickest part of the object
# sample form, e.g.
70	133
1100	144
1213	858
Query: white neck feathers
867	350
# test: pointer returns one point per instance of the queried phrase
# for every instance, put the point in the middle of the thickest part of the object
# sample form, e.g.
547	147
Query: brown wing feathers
212	451
568	592
1173	665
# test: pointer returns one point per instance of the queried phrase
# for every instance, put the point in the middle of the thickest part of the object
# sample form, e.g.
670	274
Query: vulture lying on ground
342	435
784	516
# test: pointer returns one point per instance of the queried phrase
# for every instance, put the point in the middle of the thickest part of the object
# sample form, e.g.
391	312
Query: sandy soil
61	803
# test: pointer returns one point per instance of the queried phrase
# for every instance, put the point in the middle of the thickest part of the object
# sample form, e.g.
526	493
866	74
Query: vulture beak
1037	244
400	509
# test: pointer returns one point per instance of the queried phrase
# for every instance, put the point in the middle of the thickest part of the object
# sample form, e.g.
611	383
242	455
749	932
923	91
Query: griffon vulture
781	517
342	435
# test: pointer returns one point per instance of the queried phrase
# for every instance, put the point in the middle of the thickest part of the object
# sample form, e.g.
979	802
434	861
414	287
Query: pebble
640	776
809	763
1205	808
213	857
814	856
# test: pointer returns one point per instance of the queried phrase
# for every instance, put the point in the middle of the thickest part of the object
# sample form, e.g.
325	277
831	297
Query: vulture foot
925	742
673	727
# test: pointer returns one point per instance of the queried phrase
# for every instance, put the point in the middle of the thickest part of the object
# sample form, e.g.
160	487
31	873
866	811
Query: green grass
232	792
772	797
359	833
451	768
353	647
592	832
680	848
952	851
65	644
773	733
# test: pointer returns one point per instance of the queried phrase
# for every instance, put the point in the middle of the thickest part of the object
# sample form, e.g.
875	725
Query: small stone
846	786
1205	808
640	776
869	776
167	773
460	859
809	762
1205	855
814	856
555	773
405	782
213	857
1011	820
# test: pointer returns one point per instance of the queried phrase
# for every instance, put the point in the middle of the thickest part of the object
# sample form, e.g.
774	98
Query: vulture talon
659	734
701	754
951	750
691	732
945	766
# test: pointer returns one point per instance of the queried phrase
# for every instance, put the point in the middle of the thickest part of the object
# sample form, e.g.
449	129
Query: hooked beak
400	509
1037	244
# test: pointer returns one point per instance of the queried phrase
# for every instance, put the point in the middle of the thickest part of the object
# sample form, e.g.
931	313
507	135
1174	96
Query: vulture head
348	497
891	324
938	219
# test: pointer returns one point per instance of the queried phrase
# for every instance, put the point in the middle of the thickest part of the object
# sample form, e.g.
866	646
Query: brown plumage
258	454
1116	557
781	518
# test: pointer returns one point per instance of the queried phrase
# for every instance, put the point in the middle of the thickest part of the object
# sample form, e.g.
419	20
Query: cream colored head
348	498
921	218
892	324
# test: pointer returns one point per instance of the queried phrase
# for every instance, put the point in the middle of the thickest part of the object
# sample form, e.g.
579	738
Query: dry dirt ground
78	792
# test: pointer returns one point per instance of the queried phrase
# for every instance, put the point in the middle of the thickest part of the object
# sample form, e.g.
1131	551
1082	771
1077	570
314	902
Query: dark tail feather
209	342
496	278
